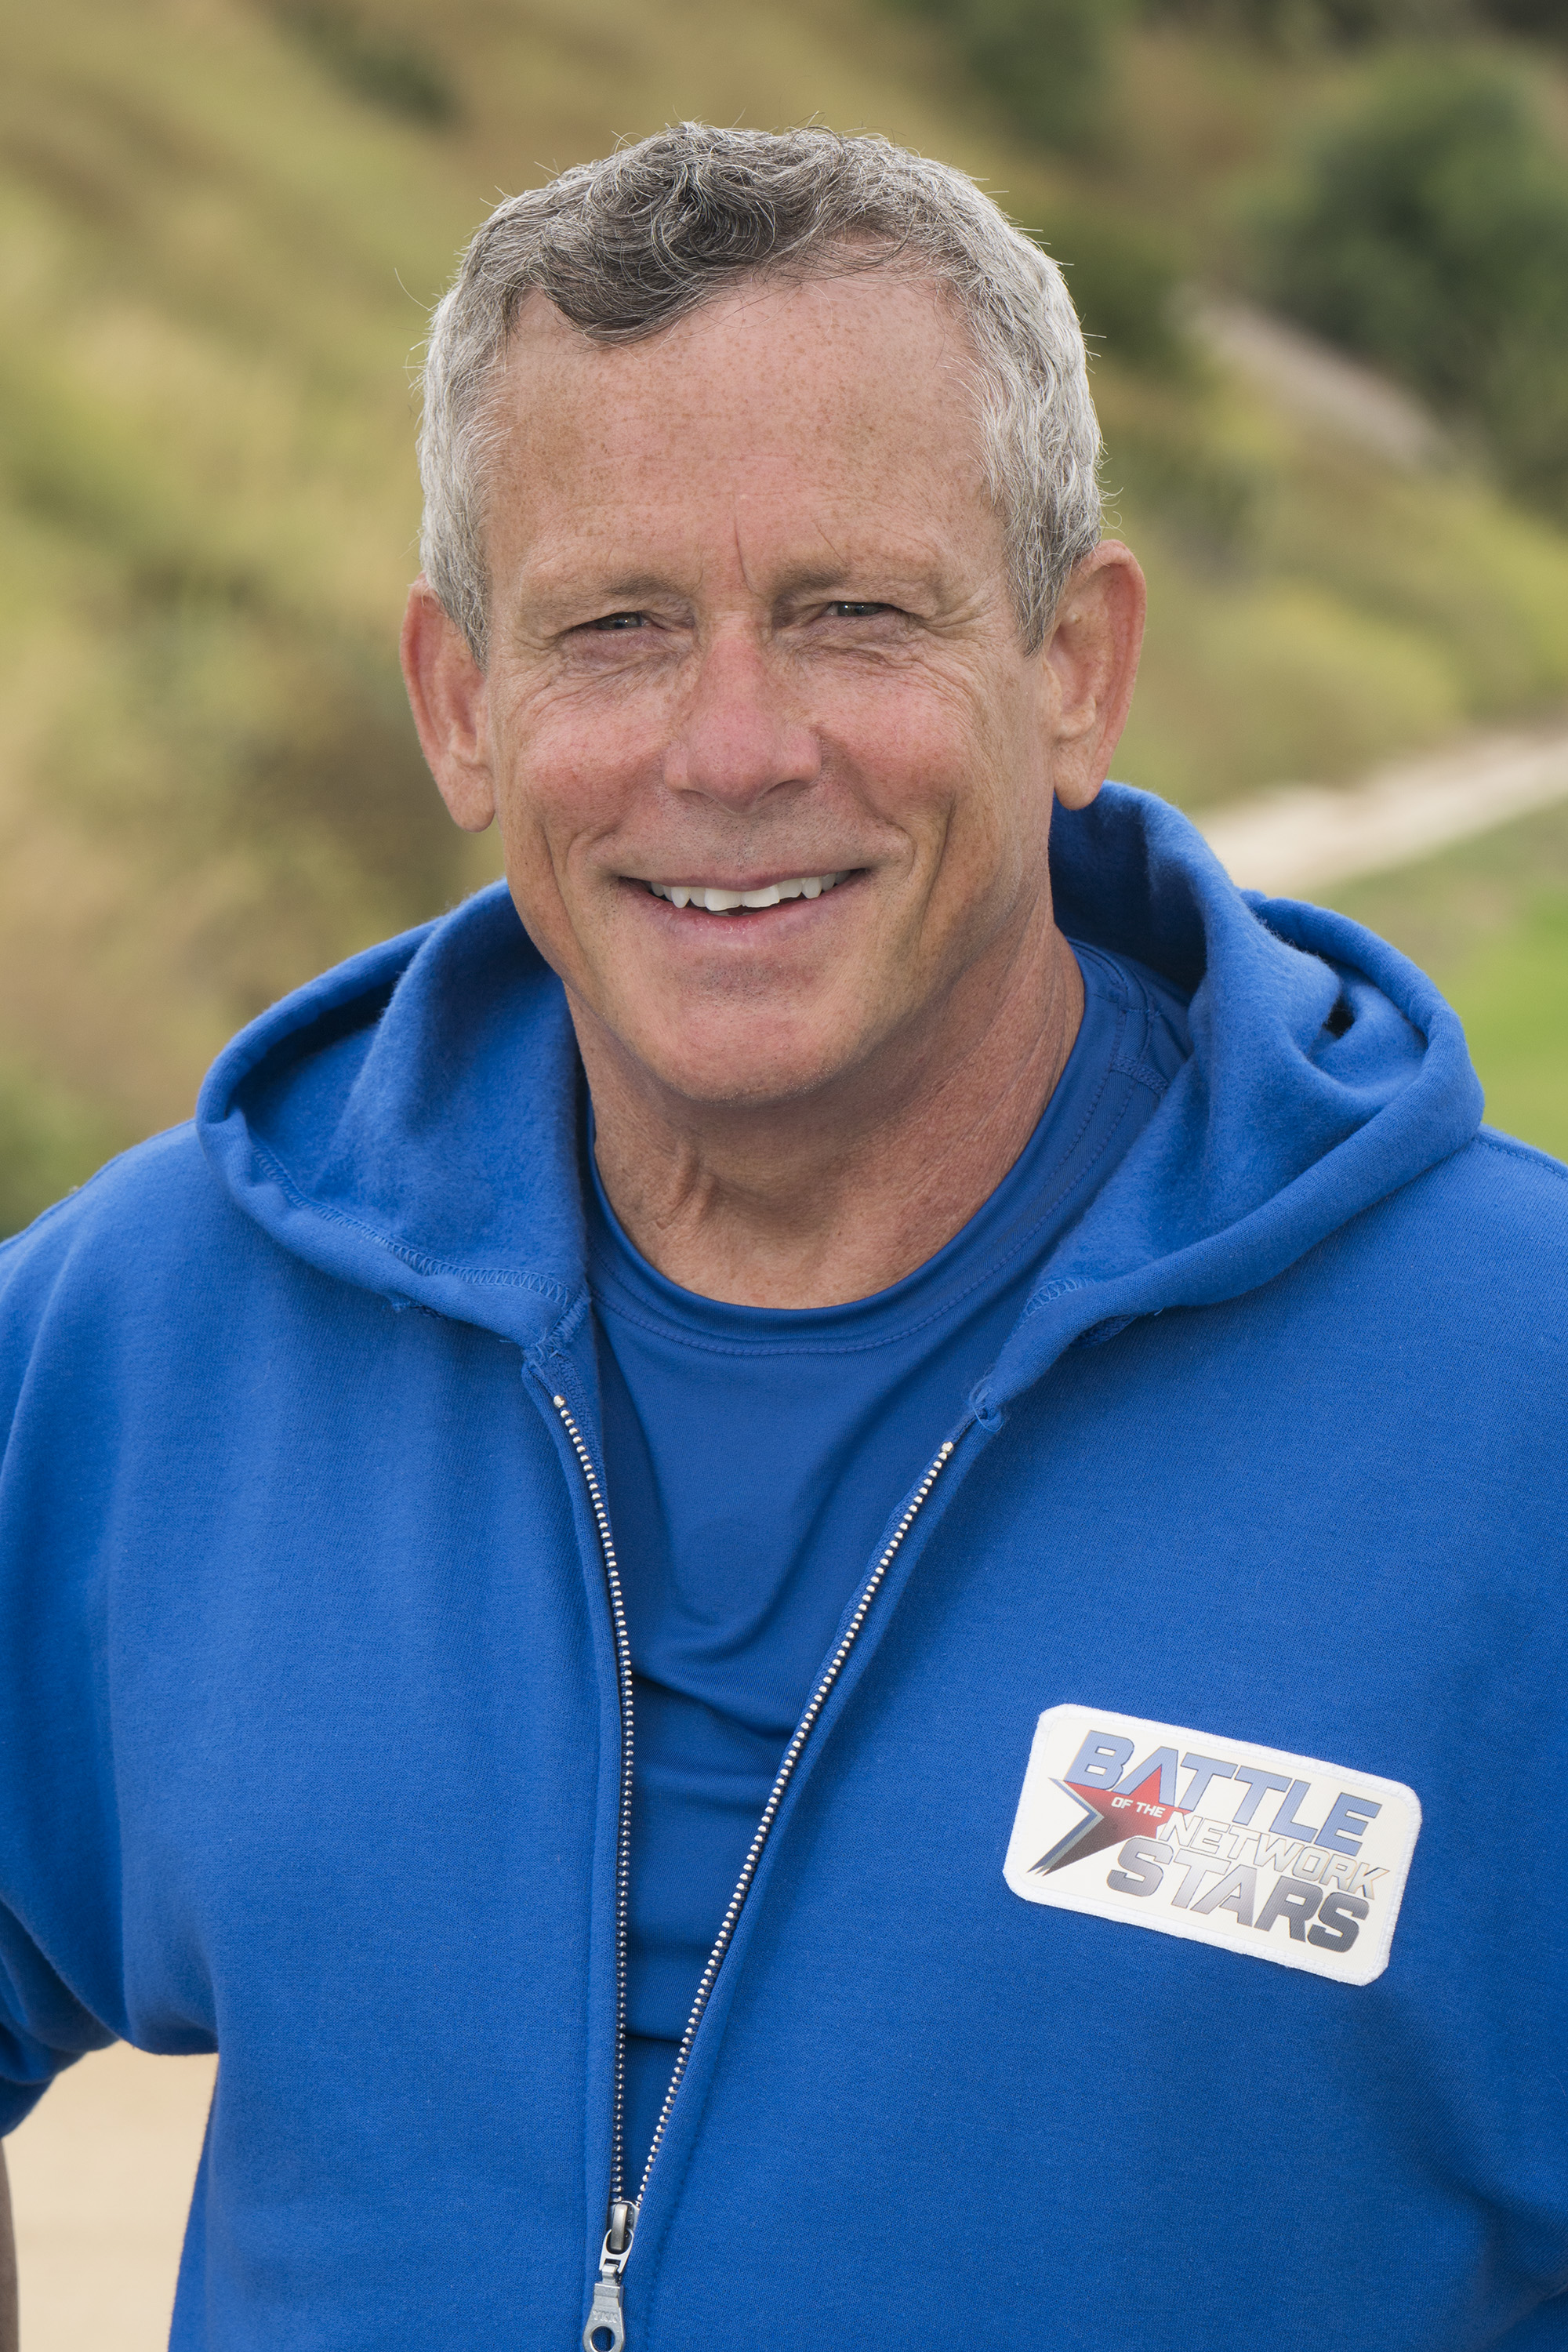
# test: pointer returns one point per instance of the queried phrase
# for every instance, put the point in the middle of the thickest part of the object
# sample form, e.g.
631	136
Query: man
919	1701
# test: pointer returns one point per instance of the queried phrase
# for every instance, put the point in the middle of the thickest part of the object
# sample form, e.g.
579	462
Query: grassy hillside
1490	921
220	224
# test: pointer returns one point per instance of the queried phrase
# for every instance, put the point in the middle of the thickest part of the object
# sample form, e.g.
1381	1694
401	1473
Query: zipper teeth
791	1755
624	1819
776	1798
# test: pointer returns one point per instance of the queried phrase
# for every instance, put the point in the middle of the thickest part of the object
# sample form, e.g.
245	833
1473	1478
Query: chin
741	1076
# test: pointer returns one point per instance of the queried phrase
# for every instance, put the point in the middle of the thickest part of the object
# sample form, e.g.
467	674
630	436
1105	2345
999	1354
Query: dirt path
1322	385
1297	839
101	2176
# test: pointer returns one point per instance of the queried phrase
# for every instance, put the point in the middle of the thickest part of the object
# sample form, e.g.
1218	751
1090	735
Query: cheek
938	762
909	747
566	779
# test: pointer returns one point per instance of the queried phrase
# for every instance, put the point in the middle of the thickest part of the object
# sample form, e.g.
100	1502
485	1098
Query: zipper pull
605	2331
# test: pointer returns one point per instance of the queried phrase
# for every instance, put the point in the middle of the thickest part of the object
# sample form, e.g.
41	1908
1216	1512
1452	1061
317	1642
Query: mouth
715	898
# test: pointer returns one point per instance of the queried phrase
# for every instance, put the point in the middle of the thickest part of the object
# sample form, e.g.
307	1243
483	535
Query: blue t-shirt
754	1457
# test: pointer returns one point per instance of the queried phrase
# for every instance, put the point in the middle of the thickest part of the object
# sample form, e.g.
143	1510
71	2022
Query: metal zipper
605	2330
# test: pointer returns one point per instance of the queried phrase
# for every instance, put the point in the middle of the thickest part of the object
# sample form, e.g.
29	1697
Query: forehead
844	404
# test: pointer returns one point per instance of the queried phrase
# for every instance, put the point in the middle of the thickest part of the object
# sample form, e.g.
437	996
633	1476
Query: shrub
395	75
1297	23
1546	19
1430	232
49	1141
1123	279
1047	62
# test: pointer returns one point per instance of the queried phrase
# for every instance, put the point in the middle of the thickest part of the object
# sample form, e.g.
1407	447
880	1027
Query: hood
412	1122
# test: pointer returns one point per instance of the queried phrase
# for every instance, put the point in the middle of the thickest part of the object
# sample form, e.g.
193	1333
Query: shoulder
152	1233
1511	1163
1500	1195
1466	1265
130	1199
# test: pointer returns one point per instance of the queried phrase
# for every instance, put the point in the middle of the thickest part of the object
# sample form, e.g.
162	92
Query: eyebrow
624	592
813	579
894	569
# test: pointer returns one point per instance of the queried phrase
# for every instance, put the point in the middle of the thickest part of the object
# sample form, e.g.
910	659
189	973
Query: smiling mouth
709	898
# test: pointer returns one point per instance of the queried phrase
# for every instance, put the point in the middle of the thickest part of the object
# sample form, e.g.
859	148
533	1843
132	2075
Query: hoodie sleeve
58	1932
43	2027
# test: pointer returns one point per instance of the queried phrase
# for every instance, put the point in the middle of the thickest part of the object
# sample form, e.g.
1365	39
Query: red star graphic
1122	1814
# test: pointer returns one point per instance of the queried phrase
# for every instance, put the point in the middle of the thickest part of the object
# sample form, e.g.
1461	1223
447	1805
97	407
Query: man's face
751	631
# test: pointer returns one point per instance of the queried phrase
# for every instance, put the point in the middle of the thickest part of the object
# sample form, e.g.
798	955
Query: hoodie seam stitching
1146	1075
419	1261
1512	1148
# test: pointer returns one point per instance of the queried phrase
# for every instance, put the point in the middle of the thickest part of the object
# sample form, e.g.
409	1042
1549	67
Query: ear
448	695
1090	664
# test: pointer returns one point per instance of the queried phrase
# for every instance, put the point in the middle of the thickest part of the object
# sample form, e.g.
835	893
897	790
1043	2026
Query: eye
608	622
850	608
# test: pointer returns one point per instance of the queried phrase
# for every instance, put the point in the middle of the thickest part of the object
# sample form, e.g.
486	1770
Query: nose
738	738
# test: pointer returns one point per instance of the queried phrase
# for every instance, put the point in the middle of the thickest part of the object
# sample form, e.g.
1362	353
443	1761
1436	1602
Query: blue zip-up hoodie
310	1744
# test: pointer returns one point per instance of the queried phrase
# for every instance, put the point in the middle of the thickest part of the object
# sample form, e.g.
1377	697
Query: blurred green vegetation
1044	64
1489	920
1126	280
1298	25
402	75
221	223
48	1142
1428	230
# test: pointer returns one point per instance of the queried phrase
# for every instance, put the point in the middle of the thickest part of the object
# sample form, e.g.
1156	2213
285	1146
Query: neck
813	1202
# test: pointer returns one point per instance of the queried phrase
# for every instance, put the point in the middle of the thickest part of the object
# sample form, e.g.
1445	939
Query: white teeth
718	901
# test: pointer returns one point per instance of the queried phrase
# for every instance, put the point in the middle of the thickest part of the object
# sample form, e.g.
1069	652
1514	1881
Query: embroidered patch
1281	1857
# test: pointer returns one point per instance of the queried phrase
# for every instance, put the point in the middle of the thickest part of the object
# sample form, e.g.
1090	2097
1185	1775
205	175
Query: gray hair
626	246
